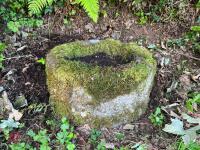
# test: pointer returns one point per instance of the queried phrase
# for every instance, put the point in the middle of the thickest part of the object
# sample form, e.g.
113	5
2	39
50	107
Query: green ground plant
180	145
119	136
193	101
41	61
90	6
2	48
21	146
142	18
193	38
63	137
41	137
14	15
157	118
94	137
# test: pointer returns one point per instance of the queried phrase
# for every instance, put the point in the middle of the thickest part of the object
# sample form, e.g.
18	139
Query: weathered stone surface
99	93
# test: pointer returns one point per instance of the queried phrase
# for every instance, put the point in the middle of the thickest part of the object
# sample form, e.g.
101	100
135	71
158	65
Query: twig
18	57
192	57
22	48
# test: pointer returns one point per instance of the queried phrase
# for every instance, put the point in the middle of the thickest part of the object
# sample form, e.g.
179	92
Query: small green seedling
41	138
119	136
101	146
192	102
21	146
142	18
41	61
195	28
66	135
63	138
180	145
157	118
2	48
94	137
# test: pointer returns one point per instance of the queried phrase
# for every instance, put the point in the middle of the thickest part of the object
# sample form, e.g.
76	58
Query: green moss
107	82
102	83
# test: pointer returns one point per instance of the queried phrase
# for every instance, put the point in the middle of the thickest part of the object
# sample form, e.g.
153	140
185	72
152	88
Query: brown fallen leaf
196	78
128	127
163	45
84	130
110	146
185	80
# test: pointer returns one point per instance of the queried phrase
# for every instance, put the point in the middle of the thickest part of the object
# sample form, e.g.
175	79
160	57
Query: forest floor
177	75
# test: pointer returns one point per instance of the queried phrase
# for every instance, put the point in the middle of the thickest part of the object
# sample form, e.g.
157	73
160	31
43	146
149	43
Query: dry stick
18	57
192	57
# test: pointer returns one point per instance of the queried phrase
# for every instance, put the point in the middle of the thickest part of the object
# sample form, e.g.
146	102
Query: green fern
91	7
36	6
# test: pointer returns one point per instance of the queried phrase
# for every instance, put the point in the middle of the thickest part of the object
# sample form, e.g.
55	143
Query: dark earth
23	75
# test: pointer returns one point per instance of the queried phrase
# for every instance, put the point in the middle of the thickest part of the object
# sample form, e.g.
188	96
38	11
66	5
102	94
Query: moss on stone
102	83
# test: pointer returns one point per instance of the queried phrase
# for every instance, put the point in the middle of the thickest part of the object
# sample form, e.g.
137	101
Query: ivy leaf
190	119
70	146
176	127
10	123
152	46
31	133
13	26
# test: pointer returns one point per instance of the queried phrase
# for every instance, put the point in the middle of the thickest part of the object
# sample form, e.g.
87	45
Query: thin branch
188	56
18	57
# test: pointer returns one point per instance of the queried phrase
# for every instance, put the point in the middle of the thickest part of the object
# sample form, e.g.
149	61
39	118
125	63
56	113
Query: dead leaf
168	109
196	78
128	127
84	130
185	80
13	113
173	114
163	45
110	146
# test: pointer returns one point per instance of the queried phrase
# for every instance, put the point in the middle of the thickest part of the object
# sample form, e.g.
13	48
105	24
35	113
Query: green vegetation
193	38
191	146
41	61
128	79
193	101
2	48
93	78
18	16
157	118
43	137
7	126
15	16
90	6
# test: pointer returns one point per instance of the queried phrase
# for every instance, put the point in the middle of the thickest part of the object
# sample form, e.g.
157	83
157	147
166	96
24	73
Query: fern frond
91	7
36	6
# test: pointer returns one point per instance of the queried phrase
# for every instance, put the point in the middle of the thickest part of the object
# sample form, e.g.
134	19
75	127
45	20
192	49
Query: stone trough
100	83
